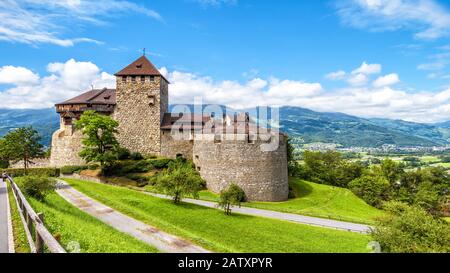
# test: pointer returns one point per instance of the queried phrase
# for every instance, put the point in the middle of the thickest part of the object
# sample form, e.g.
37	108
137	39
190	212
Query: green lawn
213	230
316	200
70	224
323	201
20	238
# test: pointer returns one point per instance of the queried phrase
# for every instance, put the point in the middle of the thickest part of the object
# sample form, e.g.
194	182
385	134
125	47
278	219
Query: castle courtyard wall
65	148
171	147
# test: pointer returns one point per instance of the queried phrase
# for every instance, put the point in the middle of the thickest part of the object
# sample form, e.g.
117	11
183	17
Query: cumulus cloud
46	21
17	75
379	99
427	18
386	80
65	80
367	69
338	75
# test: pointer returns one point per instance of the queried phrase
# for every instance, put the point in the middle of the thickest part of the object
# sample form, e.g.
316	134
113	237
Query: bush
161	163
180	180
136	156
48	172
123	153
407	229
233	195
72	169
141	181
37	186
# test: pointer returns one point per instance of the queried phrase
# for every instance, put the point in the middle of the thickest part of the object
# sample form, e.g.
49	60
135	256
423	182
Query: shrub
233	195
161	163
180	180
141	181
136	156
38	186
72	169
48	172
410	229
123	153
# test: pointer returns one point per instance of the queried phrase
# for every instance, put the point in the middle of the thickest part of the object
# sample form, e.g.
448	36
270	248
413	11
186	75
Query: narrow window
152	78
133	78
199	168
197	157
142	79
124	78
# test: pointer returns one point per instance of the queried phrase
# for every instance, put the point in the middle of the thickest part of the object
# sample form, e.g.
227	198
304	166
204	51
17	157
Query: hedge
73	169
49	172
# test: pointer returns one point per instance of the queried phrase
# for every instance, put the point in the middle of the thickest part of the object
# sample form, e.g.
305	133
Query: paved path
296	218
4	219
164	242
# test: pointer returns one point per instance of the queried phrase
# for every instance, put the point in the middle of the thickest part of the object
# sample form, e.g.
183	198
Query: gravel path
164	242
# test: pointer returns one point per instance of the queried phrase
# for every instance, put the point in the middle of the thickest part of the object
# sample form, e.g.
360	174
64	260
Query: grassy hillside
323	201
71	224
213	230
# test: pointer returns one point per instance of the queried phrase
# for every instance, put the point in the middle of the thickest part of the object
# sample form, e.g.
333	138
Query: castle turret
142	98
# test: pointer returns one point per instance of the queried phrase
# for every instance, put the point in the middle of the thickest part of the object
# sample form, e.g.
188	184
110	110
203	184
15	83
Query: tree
233	195
391	170
4	160
99	141
22	144
179	180
371	187
410	229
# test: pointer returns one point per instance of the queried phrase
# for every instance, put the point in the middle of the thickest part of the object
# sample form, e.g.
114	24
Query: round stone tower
225	159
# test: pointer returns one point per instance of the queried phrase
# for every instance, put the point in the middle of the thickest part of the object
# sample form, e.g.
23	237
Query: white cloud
367	69
46	21
216	2
65	80
427	18
358	79
386	80
17	75
380	99
338	75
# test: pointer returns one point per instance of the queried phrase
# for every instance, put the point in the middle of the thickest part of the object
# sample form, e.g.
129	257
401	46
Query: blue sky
373	58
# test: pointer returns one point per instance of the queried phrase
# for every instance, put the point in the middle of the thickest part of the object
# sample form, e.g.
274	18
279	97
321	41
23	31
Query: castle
225	149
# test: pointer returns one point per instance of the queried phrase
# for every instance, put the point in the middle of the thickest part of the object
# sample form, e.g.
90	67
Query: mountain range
305	125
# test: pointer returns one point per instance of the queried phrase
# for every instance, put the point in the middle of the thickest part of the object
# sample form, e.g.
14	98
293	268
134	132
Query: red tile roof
140	67
95	96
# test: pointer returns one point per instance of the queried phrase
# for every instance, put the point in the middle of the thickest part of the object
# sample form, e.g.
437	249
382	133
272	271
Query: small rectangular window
199	168
142	79
124	78
152	78
133	78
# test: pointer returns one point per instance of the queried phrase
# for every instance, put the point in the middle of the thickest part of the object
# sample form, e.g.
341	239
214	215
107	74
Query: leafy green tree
99	140
371	187
4	160
22	144
231	196
391	170
179	180
410	229
330	168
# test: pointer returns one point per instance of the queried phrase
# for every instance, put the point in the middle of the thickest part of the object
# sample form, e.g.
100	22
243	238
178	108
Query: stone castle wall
139	110
171	147
66	145
262	175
